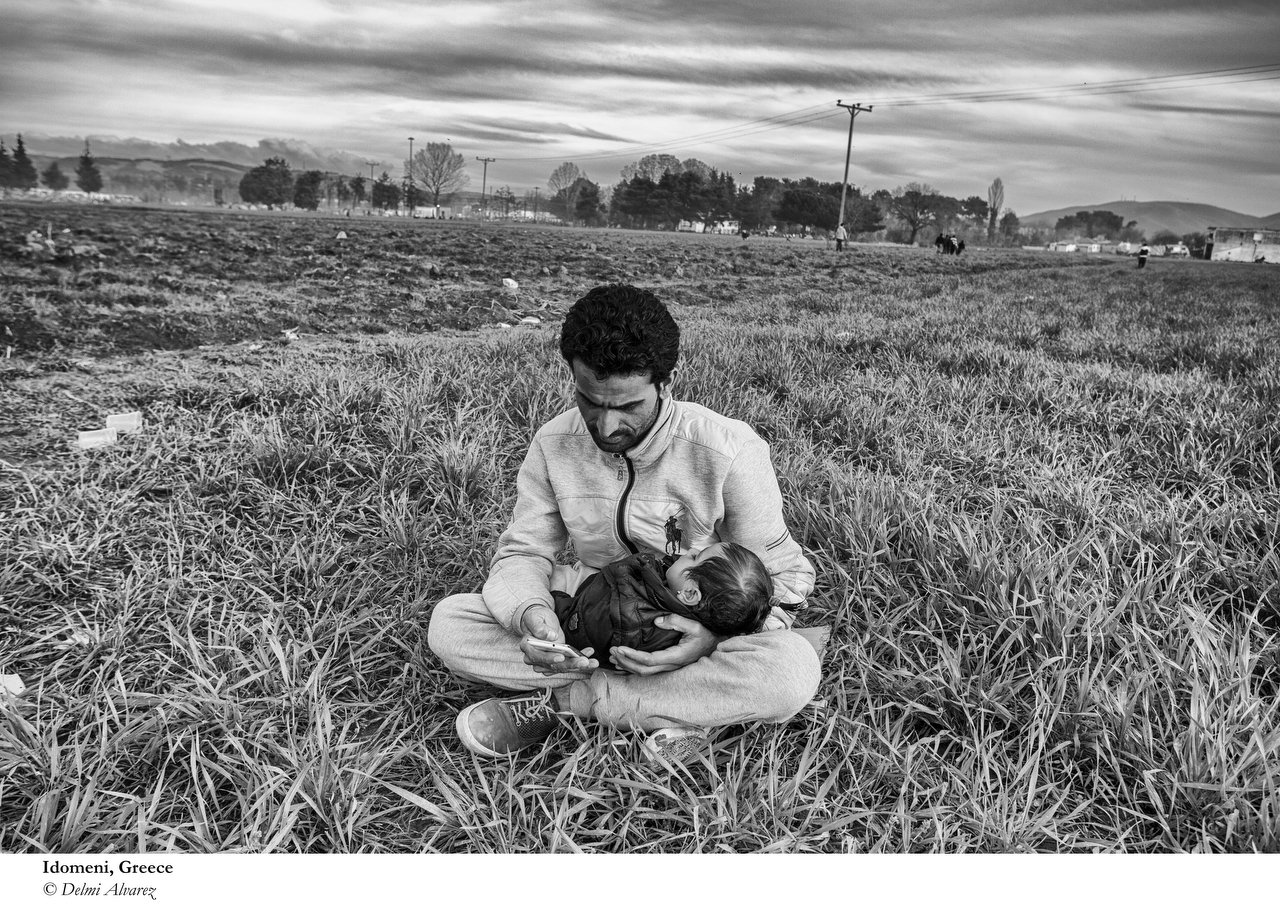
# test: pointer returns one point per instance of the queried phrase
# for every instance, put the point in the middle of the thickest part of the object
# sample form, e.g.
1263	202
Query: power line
822	111
1136	84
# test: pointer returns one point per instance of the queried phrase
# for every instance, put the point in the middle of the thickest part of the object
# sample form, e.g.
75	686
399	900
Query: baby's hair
736	590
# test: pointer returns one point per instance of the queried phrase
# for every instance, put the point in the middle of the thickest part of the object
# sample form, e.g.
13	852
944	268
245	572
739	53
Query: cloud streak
605	80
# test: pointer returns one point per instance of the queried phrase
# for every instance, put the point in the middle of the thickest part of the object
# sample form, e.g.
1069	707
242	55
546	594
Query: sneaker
498	727
675	746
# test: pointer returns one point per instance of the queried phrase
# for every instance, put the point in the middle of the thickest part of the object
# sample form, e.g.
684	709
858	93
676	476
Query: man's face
618	410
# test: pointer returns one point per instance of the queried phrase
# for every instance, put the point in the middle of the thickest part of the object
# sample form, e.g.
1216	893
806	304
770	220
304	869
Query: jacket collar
659	437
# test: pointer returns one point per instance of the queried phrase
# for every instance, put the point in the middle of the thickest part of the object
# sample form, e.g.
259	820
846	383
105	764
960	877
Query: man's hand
696	642
541	622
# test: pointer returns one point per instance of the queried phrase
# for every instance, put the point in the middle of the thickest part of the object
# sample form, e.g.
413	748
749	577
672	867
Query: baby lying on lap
724	586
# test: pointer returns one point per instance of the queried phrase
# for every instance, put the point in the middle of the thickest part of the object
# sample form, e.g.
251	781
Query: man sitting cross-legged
630	469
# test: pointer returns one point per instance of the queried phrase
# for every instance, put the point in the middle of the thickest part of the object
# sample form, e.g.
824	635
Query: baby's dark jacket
617	606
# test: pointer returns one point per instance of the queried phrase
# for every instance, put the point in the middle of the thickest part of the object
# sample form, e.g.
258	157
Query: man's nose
607	423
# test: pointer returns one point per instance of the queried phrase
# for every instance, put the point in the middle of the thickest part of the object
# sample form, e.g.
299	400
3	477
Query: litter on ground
126	422
88	440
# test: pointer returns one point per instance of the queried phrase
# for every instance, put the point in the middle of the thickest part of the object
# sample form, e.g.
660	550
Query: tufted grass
1043	502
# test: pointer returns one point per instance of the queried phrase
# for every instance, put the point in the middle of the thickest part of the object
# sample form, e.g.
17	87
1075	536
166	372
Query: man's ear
690	596
664	390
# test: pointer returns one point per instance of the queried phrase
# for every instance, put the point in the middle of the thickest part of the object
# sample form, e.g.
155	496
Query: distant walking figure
939	243
841	235
1143	252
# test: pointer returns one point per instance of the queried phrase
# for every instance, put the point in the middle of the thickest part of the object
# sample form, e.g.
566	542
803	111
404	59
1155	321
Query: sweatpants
768	676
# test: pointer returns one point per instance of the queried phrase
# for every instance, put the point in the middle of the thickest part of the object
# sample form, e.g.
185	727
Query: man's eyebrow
585	398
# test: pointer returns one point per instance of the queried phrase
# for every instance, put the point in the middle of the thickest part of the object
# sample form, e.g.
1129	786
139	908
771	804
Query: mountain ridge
1180	217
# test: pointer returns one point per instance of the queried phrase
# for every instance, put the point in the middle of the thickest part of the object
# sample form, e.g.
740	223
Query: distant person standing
841	235
1143	252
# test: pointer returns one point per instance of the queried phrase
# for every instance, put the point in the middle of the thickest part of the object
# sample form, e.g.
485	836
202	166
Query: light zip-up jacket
708	475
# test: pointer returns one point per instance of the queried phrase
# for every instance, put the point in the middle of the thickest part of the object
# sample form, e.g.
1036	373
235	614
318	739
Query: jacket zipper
620	519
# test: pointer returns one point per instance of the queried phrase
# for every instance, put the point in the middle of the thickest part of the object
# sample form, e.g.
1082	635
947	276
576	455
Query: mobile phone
554	646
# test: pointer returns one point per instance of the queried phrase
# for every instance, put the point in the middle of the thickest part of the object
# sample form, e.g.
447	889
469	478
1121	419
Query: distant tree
636	203
6	168
439	169
562	177
1090	224
270	184
1009	226
306	189
755	206
504	198
560	192
697	166
1165	238
385	194
861	214
415	196
995	201
808	203
24	171
652	167
1130	233
358	191
88	176
947	211
916	205
975	208
587	207
53	177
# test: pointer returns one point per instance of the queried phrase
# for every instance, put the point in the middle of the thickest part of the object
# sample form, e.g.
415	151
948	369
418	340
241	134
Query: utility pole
370	164
483	178
408	181
854	109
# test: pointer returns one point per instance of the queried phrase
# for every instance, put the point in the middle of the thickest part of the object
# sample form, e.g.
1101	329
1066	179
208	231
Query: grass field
1042	493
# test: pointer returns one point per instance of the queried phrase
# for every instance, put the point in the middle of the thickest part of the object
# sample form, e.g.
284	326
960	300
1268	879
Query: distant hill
1153	216
158	180
299	154
1272	221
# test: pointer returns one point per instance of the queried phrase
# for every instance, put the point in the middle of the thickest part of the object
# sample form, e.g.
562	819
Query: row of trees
274	184
432	174
661	190
18	171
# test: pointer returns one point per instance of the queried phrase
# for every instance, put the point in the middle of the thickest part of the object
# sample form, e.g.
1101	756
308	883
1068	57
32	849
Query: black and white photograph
846	433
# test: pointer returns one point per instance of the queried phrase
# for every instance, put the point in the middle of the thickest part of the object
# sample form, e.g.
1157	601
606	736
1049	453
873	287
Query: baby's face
677	574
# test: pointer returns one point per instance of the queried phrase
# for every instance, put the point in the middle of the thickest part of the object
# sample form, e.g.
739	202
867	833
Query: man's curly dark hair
736	590
617	329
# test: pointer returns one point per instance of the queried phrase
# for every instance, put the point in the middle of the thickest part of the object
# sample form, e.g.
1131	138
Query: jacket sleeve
753	517
520	575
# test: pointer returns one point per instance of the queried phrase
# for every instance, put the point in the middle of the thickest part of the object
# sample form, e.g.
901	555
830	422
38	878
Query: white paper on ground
87	440
126	422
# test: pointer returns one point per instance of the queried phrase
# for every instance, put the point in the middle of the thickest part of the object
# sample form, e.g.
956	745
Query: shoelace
530	713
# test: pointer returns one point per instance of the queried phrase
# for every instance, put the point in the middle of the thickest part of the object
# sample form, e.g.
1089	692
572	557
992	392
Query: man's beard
630	440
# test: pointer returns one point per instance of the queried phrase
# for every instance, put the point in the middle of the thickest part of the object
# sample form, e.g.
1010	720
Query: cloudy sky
1077	102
